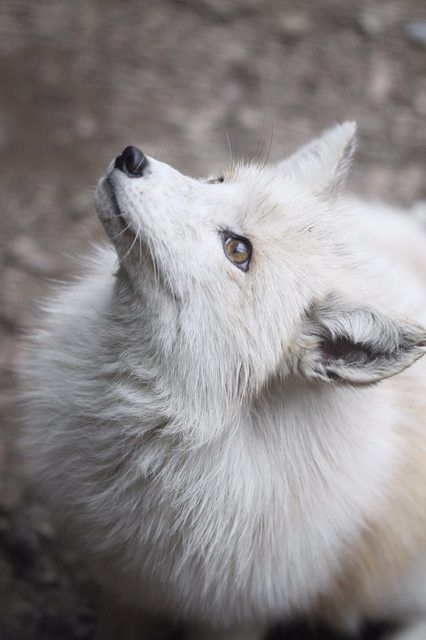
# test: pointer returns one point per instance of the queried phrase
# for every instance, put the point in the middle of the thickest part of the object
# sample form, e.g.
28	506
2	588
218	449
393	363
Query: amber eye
238	250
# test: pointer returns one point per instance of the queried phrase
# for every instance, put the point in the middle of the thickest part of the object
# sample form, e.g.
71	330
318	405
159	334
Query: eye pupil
238	250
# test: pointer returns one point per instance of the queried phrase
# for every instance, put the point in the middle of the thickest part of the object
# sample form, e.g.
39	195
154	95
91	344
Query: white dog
214	414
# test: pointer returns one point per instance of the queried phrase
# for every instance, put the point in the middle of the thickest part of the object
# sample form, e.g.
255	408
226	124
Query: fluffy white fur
216	439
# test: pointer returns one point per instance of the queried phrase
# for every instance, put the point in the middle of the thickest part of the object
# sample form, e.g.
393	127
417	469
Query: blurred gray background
80	80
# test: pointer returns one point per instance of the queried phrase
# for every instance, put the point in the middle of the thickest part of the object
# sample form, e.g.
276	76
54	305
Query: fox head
237	279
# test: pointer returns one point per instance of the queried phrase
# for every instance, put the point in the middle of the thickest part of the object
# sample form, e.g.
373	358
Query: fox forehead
264	203
262	198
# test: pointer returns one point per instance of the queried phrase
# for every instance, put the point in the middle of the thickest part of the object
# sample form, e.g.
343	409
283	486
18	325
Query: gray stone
416	32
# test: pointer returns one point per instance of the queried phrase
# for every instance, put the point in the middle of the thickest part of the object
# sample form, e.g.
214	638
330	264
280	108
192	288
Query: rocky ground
81	80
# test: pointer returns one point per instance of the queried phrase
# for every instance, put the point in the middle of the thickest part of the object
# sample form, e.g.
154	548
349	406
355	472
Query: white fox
213	412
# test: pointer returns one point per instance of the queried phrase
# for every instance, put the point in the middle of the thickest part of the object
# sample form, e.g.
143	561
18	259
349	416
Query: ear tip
350	125
348	130
344	134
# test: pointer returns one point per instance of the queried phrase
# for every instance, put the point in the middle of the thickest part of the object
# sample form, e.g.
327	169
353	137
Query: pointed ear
323	164
344	343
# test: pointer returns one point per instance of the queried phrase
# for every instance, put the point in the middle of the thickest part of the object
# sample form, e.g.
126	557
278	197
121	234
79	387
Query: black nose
132	162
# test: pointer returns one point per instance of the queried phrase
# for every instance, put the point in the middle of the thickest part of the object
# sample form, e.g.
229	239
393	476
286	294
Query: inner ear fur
346	343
